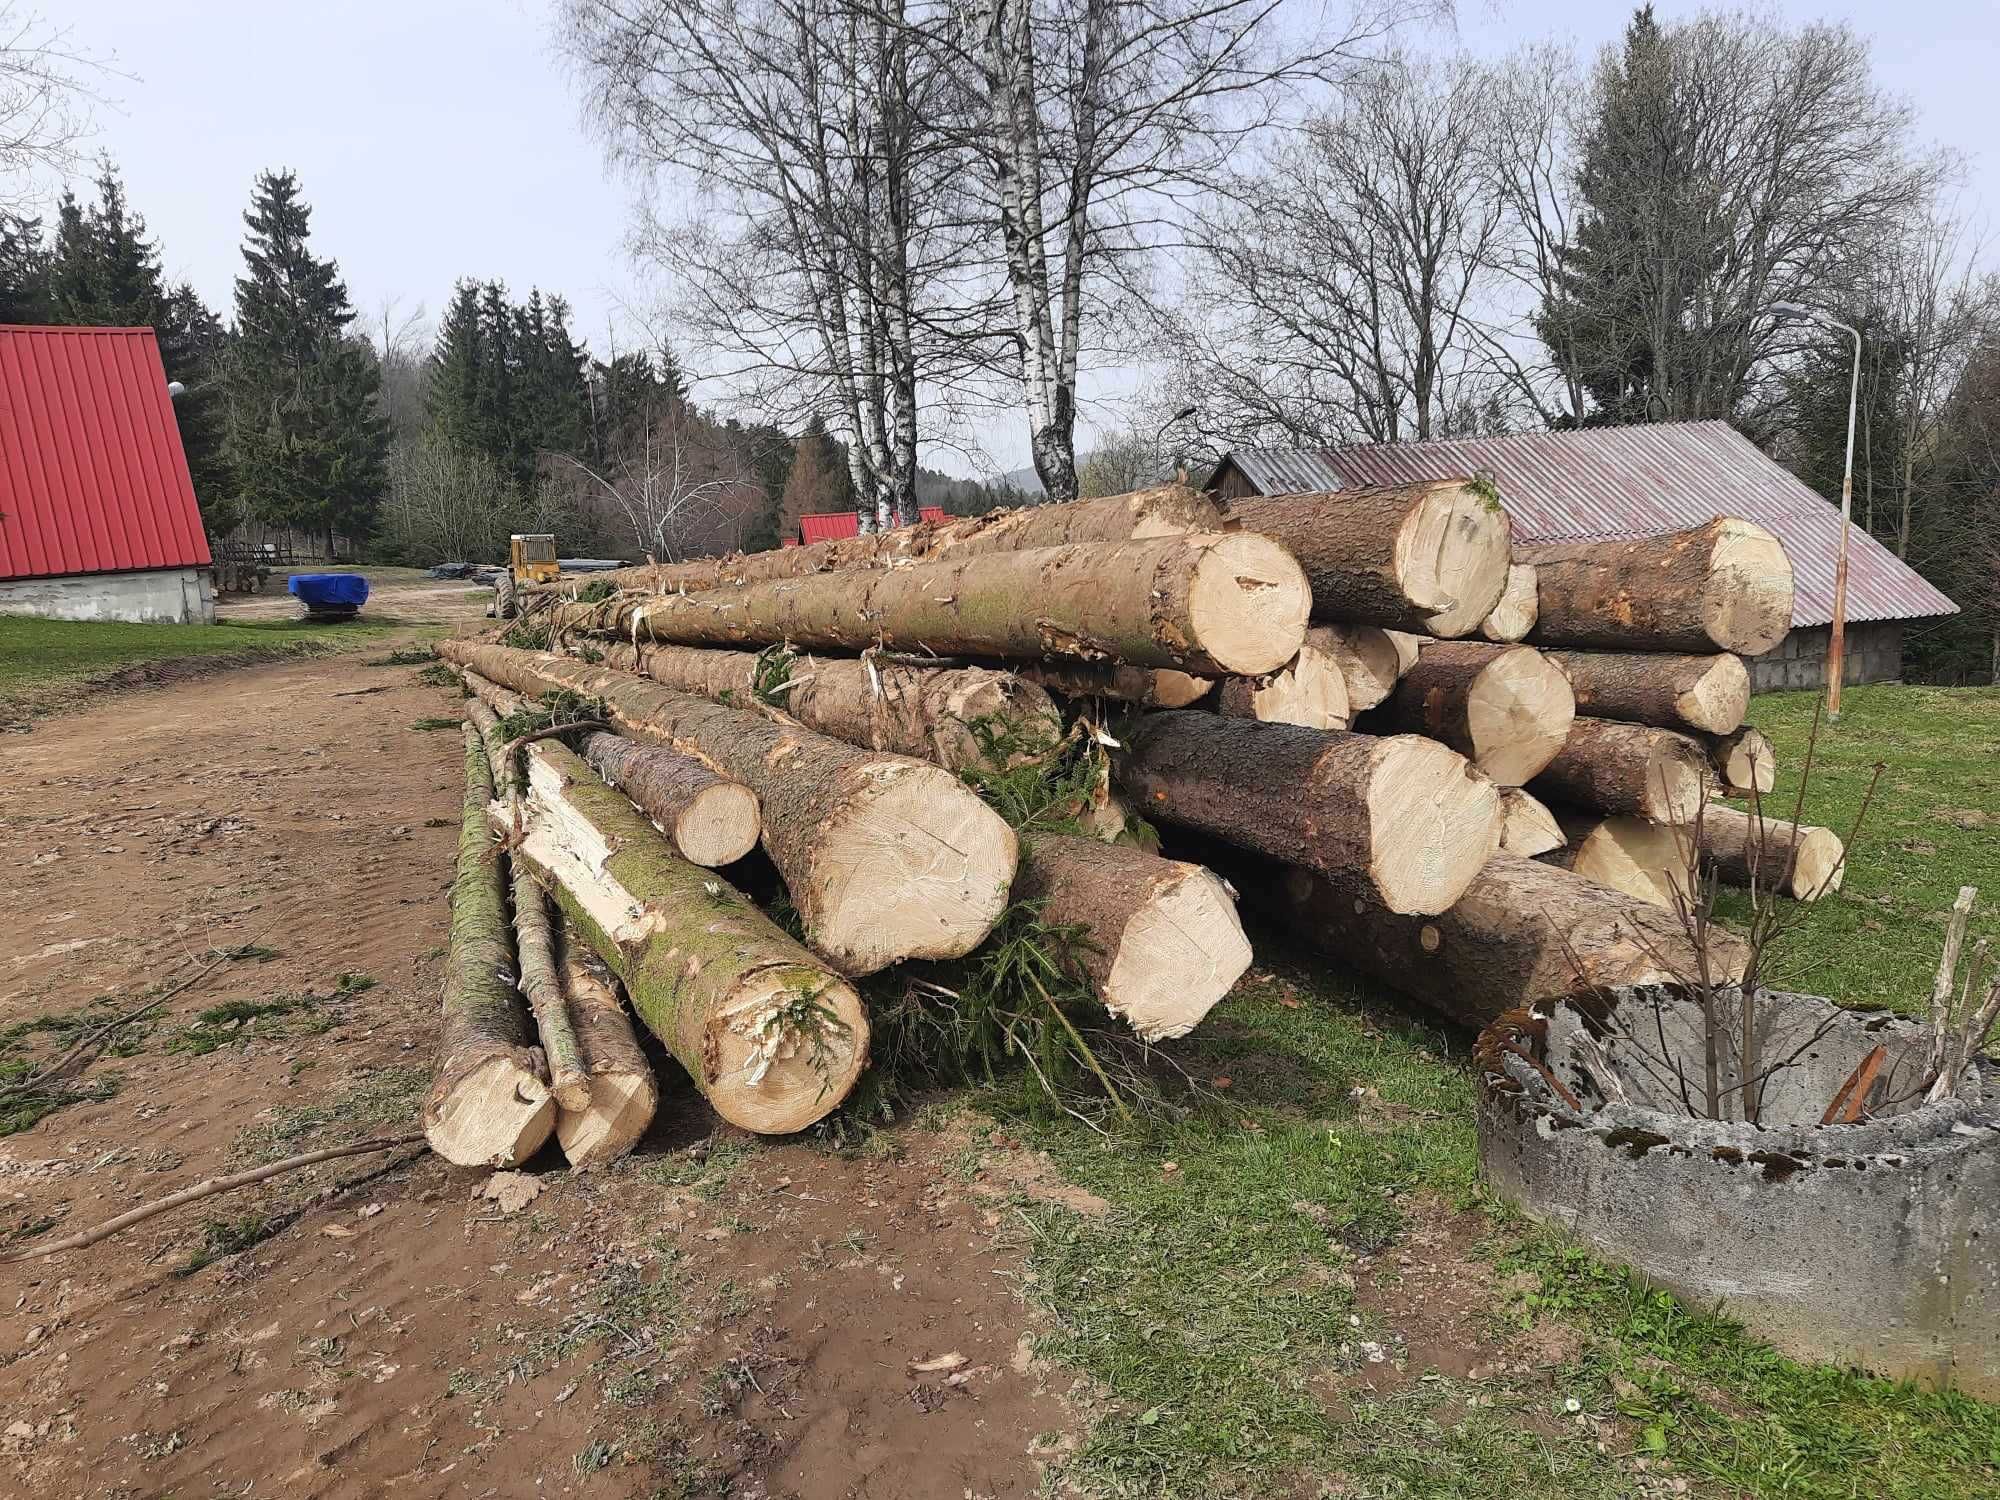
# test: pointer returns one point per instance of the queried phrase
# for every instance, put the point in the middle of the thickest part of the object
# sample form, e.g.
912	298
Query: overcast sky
440	138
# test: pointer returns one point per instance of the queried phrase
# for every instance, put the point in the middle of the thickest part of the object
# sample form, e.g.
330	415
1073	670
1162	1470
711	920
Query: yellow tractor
531	557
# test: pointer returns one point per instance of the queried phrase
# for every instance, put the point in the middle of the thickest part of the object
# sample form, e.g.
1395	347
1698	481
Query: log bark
1430	557
1147	687
624	1095
1692	694
1216	604
1403	818
1527	827
885	857
1723	586
1793	859
958	717
489	1104
1506	708
1744	761
770	1035
1605	766
1371	660
1307	690
1644	860
1161	939
1514	616
1169	510
1522	932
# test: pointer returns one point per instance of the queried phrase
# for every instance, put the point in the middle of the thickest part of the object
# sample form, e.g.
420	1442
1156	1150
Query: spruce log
1429	556
886	857
1371	660
1161	940
534	940
769	1034
1507	708
1307	690
1744	762
1610	767
1522	932
624	1095
1219	604
1693	694
948	714
1527	827
1147	687
1514	616
1723	586
1169	510
1793	859
1646	861
488	1105
1404	818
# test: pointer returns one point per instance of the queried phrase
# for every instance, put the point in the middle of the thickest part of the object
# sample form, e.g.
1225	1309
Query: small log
1514	616
1161	939
624	1095
1308	690
489	1104
1527	827
1723	586
769	1034
1743	762
1429	556
1792	859
1610	767
1644	860
1371	660
1402	817
1507	708
1692	694
885	857
1144	687
1217	604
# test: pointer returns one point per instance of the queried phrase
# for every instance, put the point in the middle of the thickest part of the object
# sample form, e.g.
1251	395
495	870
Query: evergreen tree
451	392
507	380
24	271
307	441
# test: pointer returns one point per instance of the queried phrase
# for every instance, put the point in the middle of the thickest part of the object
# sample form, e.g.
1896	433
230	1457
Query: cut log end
1248	602
1745	762
1819	866
719	825
1308	690
621	1106
1180	953
1747	602
907	867
1644	860
1527	827
1717	701
497	1114
784	1050
1434	821
1370	660
1518	713
1451	558
1514	616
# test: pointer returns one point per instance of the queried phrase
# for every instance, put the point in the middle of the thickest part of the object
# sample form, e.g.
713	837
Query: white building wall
160	596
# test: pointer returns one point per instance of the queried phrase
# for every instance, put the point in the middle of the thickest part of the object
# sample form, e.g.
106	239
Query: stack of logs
1342	700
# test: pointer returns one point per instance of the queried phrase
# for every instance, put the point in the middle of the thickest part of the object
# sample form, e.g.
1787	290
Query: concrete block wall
171	596
1874	654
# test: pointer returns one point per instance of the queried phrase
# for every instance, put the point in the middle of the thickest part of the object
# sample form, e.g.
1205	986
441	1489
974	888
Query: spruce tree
24	271
451	393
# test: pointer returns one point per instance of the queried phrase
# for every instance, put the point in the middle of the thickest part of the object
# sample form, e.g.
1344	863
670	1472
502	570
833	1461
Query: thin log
1610	767
885	857
1308	690
1371	660
1514	616
489	1102
1941	987
1692	694
1507	708
1146	687
1429	556
1722	586
1527	827
624	1095
1792	859
1743	762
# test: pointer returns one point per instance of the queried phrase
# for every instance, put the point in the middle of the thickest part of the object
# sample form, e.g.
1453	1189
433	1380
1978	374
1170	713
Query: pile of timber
1456	763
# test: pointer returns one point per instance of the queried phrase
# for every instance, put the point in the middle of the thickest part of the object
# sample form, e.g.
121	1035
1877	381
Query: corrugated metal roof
1634	481
831	525
92	476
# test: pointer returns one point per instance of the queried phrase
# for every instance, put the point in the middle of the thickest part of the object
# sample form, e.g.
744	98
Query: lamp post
1180	416
1837	643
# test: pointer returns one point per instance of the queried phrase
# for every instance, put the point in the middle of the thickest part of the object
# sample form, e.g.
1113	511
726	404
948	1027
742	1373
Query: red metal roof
1633	481
830	525
92	476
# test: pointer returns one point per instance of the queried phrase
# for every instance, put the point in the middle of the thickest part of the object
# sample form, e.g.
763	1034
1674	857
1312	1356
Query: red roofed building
98	519
831	525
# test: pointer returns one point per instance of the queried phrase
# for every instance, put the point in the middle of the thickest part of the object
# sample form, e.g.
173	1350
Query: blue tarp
330	590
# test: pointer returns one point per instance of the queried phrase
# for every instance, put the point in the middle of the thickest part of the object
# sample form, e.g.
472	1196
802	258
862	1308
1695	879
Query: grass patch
405	656
439	675
388	1096
222	1237
429	724
282	1017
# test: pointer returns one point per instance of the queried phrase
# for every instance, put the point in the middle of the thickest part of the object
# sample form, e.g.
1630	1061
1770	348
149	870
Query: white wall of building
160	596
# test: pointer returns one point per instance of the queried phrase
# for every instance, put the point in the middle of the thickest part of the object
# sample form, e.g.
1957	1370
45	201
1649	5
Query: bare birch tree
48	84
672	483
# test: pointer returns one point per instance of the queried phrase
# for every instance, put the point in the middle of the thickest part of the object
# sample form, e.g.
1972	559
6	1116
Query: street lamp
1180	416
1836	645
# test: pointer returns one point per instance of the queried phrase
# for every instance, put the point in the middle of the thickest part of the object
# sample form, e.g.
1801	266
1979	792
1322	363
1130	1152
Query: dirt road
430	601
717	1315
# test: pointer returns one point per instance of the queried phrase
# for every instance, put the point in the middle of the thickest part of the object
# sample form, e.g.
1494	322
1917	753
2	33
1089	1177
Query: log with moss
1608	767
1308	690
1218	604
771	1035
624	1094
1431	556
886	857
1402	817
1514	616
1691	694
1146	687
1792	859
1507	708
1371	660
956	716
1722	586
489	1102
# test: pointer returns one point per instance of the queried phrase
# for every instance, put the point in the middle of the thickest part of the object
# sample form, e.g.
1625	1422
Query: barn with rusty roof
98	519
1615	482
